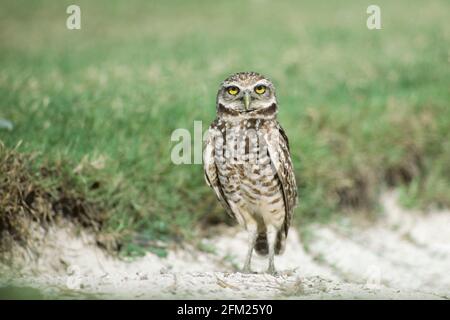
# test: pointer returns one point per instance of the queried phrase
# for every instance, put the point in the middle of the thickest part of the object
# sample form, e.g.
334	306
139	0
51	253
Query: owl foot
271	270
246	269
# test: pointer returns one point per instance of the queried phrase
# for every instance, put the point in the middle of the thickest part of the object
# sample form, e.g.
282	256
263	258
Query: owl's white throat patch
269	112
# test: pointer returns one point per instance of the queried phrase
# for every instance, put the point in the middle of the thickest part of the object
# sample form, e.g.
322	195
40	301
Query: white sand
404	256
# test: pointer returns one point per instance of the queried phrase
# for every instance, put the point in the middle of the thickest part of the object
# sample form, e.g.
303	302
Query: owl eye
233	90
260	89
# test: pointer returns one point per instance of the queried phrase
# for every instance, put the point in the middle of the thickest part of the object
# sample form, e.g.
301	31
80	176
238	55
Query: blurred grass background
364	110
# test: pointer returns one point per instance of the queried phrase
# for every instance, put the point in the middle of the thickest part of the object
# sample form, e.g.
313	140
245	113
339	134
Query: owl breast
245	171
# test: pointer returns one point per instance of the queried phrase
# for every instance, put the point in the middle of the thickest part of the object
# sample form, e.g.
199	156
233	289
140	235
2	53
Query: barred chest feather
244	166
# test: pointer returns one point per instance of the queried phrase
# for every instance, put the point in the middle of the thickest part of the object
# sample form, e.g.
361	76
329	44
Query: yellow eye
233	90
260	89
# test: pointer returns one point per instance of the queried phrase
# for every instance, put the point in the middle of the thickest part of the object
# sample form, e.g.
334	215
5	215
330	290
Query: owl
247	163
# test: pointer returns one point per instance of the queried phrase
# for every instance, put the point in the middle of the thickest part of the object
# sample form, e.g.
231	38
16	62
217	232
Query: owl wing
279	153
210	169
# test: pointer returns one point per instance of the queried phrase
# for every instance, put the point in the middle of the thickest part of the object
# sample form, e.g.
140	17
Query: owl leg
252	235
271	240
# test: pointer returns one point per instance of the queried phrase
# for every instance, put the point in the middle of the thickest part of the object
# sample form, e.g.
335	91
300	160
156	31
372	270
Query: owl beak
247	100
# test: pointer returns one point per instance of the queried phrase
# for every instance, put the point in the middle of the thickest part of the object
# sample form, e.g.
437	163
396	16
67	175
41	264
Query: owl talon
246	270
272	271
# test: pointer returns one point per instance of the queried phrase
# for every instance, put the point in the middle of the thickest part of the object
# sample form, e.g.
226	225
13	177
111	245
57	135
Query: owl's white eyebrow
232	84
261	83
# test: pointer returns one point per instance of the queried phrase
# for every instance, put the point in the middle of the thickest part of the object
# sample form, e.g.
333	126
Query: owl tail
262	247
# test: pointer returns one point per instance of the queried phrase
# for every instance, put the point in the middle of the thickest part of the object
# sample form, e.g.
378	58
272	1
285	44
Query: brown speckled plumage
247	163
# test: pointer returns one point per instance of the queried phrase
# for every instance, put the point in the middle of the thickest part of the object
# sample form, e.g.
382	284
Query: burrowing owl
247	163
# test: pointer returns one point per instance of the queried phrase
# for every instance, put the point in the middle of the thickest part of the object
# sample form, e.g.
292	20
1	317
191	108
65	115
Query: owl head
246	93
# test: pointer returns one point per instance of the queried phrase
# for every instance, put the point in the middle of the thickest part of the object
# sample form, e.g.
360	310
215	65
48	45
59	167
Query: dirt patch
404	256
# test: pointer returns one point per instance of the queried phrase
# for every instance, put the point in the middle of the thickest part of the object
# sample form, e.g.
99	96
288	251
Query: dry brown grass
43	194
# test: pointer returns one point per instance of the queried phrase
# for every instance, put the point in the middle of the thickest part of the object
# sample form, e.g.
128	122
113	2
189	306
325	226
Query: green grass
363	109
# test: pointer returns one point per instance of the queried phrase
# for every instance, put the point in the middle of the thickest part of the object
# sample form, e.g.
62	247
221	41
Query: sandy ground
404	256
